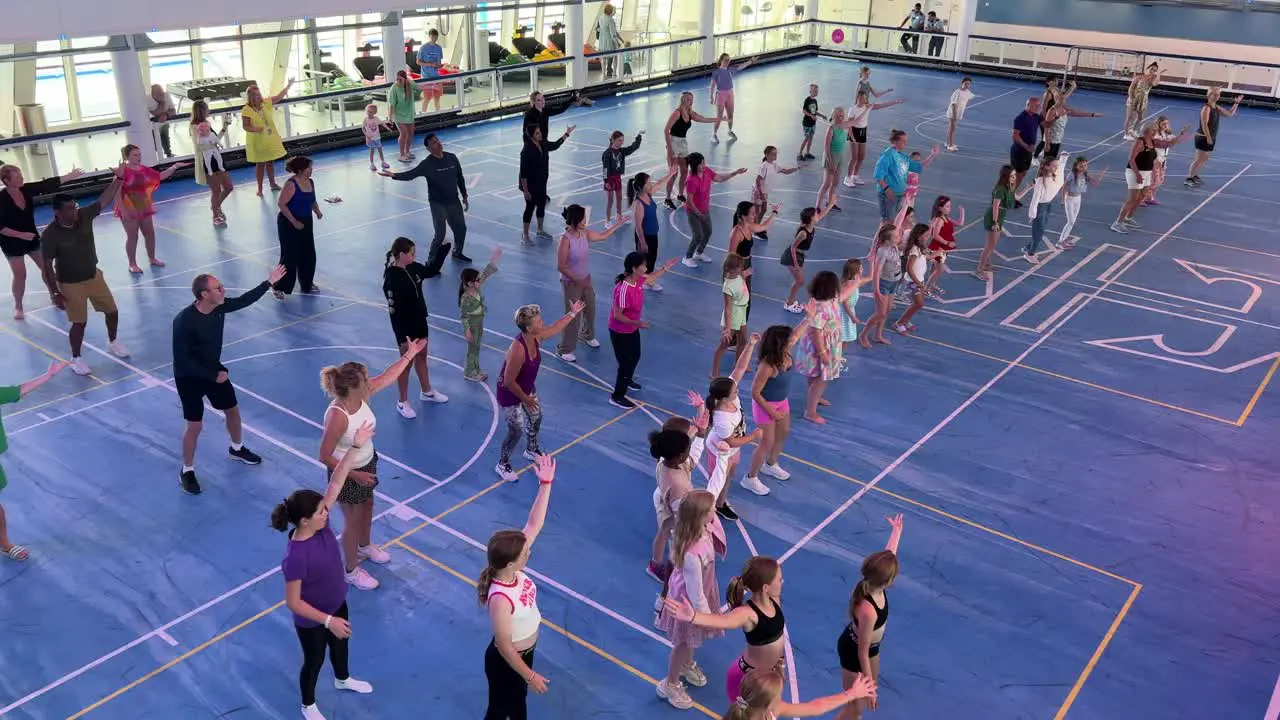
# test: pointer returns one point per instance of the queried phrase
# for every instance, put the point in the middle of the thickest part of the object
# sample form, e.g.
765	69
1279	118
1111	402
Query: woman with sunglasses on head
517	394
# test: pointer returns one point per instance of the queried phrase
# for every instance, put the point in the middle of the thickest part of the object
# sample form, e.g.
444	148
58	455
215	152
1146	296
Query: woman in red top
134	206
625	323
942	234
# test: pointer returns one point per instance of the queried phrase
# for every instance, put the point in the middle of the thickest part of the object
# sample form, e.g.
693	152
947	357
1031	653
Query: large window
51	83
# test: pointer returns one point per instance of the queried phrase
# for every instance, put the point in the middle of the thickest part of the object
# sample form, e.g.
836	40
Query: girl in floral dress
819	354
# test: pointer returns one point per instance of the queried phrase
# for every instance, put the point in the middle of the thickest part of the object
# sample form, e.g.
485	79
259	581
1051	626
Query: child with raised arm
614	160
472	309
9	395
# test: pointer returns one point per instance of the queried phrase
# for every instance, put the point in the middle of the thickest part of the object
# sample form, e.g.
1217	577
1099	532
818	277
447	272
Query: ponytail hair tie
741	703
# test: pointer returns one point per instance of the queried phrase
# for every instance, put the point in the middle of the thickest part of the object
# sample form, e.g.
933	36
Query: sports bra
744	246
776	388
882	613
768	629
680	127
523	597
1145	161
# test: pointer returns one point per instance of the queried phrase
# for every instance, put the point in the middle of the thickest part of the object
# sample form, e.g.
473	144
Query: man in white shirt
955	110
161	108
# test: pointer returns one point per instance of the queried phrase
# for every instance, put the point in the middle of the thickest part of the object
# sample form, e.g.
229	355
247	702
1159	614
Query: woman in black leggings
535	168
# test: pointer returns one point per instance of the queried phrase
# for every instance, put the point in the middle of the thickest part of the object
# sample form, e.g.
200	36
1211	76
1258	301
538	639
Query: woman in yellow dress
263	144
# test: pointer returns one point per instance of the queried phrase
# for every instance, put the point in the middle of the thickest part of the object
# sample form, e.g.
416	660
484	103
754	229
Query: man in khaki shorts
72	260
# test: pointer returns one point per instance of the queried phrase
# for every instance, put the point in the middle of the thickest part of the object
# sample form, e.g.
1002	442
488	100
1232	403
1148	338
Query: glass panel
218	32
221	59
51	85
89	42
96	86
91	152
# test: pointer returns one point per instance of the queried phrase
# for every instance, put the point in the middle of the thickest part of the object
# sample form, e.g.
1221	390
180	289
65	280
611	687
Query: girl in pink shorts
770	408
722	93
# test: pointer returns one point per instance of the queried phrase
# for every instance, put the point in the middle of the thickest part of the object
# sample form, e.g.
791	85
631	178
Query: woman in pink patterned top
134	206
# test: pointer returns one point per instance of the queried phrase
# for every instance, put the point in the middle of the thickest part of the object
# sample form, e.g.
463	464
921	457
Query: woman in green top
837	156
471	303
9	395
993	221
402	113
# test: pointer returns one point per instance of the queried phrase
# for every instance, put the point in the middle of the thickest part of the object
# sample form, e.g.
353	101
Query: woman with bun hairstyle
351	387
314	588
295	228
761	698
511	599
859	644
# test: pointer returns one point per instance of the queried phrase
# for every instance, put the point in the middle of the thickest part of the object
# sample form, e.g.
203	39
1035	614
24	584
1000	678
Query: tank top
744	246
946	237
838	139
355	420
650	224
768	629
525	378
301	202
1214	116
804	244
775	388
523	596
882	616
860	114
680	127
1145	161
579	254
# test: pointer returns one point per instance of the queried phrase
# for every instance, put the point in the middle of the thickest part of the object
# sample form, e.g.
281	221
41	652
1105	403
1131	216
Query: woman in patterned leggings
516	393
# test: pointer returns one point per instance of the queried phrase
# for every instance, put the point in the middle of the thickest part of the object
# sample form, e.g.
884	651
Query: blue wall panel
1206	24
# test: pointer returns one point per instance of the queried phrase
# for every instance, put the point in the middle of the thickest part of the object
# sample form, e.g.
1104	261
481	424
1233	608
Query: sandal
18	553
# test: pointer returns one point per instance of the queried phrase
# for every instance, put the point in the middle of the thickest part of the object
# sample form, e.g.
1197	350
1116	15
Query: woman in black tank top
793	256
676	132
859	643
1142	161
742	236
1207	132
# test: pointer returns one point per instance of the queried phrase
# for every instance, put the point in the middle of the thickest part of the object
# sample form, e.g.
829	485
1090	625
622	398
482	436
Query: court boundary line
1097	654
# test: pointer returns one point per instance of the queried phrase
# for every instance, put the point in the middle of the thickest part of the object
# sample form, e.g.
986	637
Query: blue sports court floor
1084	451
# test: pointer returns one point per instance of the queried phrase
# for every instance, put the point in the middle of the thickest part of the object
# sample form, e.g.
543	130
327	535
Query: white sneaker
1115	228
694	675
702	257
796	308
311	712
675	694
505	472
353	685
592	343
406	410
775	471
532	456
754	485
567	357
689	262
952	148
1029	257
79	366
361	579
375	554
434	396
850	180
656	287
118	349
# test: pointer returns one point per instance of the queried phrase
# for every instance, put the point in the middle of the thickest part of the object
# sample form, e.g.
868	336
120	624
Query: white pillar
127	68
707	28
811	15
573	34
962	26
392	44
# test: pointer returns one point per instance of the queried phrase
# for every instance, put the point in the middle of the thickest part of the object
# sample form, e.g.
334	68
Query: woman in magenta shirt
625	323
315	585
697	190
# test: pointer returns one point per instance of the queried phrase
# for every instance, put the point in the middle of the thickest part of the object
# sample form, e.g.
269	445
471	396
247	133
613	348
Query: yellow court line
1262	386
222	636
602	653
43	349
1097	654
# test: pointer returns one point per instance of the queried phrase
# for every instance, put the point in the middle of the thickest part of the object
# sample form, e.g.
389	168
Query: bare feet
815	418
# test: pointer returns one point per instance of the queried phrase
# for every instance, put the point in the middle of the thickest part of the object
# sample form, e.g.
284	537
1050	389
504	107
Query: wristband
327	619
544	482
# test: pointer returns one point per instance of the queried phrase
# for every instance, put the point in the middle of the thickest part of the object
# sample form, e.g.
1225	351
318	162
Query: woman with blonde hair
263	144
19	236
676	133
351	387
760	698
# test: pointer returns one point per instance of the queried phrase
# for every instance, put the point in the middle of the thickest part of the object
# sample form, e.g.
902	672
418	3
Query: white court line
1273	707
809	536
1057	282
45	419
943	116
167	638
43	416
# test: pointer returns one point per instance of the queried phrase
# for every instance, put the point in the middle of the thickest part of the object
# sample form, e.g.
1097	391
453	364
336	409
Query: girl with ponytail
626	322
314	588
402	284
511	599
859	644
759	617
678	448
761	698
644	216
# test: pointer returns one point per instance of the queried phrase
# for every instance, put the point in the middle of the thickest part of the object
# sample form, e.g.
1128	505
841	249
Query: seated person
557	37
525	45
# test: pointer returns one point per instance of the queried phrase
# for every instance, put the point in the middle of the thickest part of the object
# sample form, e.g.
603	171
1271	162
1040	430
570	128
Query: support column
811	14
707	28
392	44
962	26
573	34
127	69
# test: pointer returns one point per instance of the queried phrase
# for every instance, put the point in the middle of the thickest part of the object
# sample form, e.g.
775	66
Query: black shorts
847	650
1052	150
859	135
1020	159
413	330
15	248
193	391
1202	144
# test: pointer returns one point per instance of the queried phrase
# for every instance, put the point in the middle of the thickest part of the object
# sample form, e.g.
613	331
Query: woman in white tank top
859	116
351	387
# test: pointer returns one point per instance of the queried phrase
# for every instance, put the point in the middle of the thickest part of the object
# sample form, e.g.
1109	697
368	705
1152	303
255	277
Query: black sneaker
244	455
460	257
726	512
190	485
621	402
634	385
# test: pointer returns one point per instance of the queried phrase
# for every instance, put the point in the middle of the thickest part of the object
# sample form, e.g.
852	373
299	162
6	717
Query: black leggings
297	254
314	642
651	257
507	690
626	348
537	201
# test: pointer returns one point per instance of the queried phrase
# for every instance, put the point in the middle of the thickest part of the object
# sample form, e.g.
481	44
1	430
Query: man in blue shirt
430	60
891	175
1026	130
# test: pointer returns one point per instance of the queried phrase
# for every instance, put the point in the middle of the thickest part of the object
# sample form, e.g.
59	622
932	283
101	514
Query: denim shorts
889	208
890	287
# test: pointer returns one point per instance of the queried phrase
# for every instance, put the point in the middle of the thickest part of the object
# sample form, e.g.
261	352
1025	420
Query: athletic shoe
1118	228
727	513
460	257
592	343
754	485
118	349
190	485
244	455
567	357
775	471
1030	257
702	257
633	385
406	410
79	366
375	554
810	156
658	571
952	148
733	135
624	403
543	234
1132	223
850	181
361	580
656	287
386	165
434	396
687	262
1067	244
353	685
311	712
532	455
794	307
505	472
373	168
675	694
694	675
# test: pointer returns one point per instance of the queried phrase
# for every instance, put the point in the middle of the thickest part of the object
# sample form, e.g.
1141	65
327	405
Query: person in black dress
19	236
535	169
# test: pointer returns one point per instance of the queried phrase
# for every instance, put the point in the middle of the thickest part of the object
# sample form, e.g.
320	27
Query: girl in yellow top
262	142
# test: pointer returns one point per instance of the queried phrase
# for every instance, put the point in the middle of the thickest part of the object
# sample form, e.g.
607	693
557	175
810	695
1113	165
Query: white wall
1148	45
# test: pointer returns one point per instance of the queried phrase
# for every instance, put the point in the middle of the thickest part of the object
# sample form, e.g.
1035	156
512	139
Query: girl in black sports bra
760	618
676	132
859	651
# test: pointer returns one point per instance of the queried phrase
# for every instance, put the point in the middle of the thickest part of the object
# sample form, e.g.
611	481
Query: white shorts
660	508
680	147
1137	180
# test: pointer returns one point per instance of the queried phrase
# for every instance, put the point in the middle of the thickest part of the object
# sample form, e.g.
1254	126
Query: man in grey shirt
447	196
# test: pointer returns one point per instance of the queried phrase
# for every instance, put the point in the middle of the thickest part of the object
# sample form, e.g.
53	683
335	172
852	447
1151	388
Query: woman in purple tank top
517	395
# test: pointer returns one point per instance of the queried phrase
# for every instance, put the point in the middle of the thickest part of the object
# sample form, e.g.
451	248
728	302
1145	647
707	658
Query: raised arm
241	302
283	93
744	359
1231	111
387	378
558	326
895	534
545	469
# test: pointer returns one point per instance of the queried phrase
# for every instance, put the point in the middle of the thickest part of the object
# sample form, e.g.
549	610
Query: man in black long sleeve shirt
198	372
447	196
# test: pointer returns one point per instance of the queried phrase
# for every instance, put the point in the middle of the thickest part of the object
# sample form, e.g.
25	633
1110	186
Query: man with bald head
1026	131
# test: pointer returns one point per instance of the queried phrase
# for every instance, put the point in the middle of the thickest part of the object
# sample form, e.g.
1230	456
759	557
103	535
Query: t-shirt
890	263
1028	126
630	300
736	289
697	190
960	100
810	106
197	336
768	171
71	249
164	106
445	183
317	562
723	78
430	53
1007	200
8	395
372	128
892	168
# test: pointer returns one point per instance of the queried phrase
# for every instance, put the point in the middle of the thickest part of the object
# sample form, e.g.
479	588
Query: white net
1083	62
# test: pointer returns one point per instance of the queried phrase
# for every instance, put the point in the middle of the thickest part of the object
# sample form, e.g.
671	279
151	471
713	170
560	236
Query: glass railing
772	38
644	63
880	39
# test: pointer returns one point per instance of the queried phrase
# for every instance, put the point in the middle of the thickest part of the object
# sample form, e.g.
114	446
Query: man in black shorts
1026	130
198	371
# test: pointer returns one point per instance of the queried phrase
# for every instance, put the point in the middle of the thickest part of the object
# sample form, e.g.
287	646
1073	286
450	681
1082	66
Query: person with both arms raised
447	196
